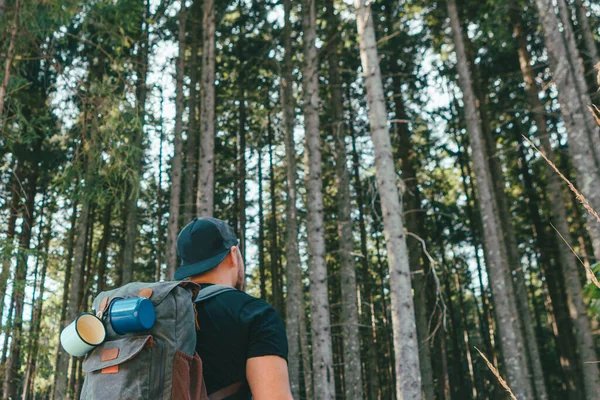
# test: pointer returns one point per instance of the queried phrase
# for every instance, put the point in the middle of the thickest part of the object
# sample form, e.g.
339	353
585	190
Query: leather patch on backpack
110	370
110	354
145	292
103	307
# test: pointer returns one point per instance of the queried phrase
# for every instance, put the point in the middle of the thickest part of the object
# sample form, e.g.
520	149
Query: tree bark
28	386
62	359
276	289
353	388
241	229
532	354
557	204
568	263
511	337
575	115
367	284
159	198
465	333
188	199
588	35
7	64
173	224
14	206
577	62
12	378
103	248
415	223
475	227
261	233
131	232
324	385
88	144
408	377
294	300
205	197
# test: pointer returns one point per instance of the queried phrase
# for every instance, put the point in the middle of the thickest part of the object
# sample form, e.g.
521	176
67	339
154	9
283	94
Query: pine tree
293	272
176	161
205	196
322	350
510	334
408	377
353	388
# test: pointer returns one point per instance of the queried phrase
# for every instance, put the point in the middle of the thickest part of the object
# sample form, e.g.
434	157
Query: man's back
235	327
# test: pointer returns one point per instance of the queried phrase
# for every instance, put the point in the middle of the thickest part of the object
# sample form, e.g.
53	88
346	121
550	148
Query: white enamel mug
82	335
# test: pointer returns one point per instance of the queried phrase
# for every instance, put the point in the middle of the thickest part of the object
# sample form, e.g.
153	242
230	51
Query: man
240	338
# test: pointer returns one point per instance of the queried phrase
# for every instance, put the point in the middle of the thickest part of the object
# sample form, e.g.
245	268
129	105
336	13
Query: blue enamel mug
135	314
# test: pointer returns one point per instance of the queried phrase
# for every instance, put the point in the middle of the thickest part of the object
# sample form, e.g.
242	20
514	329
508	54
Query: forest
415	183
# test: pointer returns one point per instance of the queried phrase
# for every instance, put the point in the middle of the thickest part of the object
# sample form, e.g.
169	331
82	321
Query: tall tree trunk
475	227
88	143
415	223
510	335
241	229
367	284
306	361
31	334
261	234
103	248
276	288
353	388
458	384
408	377
324	385
12	378
173	224
465	333
550	272
159	198
588	34
556	199
576	63
188	199
532	355
575	116
294	299
385	326
205	199
131	231
240	190
521	301
577	141
7	335
8	62
28	385
62	360
14	186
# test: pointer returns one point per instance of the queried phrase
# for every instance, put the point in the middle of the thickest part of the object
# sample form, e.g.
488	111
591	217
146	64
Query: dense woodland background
358	149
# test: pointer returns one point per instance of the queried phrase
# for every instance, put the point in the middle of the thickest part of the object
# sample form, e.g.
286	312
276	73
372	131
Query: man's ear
233	254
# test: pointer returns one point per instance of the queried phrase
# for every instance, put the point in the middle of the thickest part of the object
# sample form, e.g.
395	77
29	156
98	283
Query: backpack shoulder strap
211	291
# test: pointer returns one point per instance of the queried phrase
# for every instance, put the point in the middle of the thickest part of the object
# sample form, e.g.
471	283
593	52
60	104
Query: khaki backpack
159	364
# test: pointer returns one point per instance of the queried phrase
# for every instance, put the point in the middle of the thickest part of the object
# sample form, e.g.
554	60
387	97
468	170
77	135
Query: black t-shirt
234	327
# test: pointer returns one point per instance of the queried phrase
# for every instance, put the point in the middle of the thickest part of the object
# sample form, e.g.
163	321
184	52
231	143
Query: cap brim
185	271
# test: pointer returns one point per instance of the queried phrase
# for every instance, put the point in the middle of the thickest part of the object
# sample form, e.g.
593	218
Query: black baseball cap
202	245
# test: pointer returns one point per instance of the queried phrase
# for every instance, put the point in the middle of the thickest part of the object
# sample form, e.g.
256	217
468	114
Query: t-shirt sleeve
266	332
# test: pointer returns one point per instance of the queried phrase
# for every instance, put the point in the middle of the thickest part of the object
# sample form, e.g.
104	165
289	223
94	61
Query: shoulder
253	307
244	305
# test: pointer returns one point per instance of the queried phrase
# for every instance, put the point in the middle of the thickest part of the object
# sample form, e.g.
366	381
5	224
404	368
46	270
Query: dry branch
590	274
497	375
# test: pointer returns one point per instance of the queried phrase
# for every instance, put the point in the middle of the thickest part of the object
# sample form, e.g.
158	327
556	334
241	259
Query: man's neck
210	280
